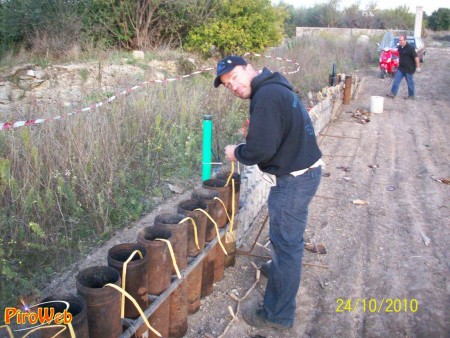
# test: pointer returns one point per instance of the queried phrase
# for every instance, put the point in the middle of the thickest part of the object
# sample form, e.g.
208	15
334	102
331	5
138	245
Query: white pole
418	23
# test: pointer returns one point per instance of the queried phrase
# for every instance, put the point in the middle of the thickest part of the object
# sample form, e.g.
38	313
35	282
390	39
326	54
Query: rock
24	84
175	188
138	54
363	39
19	68
17	94
26	78
40	74
40	85
360	202
31	73
5	91
36	83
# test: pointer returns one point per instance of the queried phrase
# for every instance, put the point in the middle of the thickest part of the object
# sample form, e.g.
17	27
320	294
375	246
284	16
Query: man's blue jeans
288	212
399	75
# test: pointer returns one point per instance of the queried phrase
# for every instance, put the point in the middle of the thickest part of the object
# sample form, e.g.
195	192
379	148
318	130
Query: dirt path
377	251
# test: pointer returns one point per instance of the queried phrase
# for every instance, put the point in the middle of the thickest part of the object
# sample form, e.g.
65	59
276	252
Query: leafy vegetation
240	26
67	27
440	20
331	14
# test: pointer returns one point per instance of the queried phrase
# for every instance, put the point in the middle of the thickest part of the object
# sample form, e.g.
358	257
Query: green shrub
240	26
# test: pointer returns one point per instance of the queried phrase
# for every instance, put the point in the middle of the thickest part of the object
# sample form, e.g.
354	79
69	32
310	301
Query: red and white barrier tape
278	58
17	124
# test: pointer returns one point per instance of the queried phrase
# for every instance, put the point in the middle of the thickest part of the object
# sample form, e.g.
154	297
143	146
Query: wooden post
347	89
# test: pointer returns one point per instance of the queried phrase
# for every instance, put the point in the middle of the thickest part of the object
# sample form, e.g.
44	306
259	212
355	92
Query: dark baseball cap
226	66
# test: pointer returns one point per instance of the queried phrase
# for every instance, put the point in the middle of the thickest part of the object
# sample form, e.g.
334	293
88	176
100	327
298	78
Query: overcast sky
429	6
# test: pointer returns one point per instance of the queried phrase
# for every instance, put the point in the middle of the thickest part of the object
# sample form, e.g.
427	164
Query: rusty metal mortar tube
207	196
178	298
187	208
222	220
229	239
194	280
219	186
170	221
158	271
237	188
136	275
173	286
214	210
77	307
103	304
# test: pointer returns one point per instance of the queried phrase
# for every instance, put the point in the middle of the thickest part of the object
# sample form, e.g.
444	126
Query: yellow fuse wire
224	207
124	293
195	229
124	276
172	255
231	173
217	230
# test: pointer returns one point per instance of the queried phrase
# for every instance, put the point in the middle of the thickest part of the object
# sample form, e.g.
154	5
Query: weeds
69	184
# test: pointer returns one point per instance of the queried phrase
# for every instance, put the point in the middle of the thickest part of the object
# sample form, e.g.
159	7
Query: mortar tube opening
151	233
167	218
76	304
191	205
121	252
96	277
214	182
205	194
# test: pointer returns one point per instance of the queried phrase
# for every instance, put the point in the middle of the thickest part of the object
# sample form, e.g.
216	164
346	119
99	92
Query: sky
429	6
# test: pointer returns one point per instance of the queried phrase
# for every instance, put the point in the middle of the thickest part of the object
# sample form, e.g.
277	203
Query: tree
440	20
352	17
143	24
240	26
52	24
398	18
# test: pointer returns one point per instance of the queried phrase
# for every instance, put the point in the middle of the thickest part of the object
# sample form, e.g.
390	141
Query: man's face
402	41
239	80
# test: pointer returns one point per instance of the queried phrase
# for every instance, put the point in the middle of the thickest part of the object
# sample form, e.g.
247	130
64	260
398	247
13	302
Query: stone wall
343	32
70	85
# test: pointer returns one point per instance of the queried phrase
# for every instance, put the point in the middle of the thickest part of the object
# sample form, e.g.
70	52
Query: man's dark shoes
256	318
410	97
264	269
391	95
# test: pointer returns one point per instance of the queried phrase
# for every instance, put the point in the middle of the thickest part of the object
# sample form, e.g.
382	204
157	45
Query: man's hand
418	70
229	152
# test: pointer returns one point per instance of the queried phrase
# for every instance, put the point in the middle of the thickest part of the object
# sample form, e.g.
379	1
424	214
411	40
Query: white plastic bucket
376	104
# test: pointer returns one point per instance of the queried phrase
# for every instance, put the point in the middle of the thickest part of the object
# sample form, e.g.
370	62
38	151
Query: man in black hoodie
282	142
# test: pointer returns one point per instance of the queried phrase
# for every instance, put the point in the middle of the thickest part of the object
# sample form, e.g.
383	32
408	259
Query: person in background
408	64
282	142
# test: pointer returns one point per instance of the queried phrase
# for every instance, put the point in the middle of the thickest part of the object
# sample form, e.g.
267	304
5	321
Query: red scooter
388	62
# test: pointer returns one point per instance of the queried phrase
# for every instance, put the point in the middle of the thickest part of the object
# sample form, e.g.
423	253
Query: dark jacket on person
281	136
407	63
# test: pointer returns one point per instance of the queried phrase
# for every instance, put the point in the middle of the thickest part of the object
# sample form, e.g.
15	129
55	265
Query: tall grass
67	185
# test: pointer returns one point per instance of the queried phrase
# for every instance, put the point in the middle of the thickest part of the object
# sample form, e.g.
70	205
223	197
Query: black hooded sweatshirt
281	136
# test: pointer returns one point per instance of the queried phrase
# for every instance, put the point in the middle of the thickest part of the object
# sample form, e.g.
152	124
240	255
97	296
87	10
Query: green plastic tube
207	146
